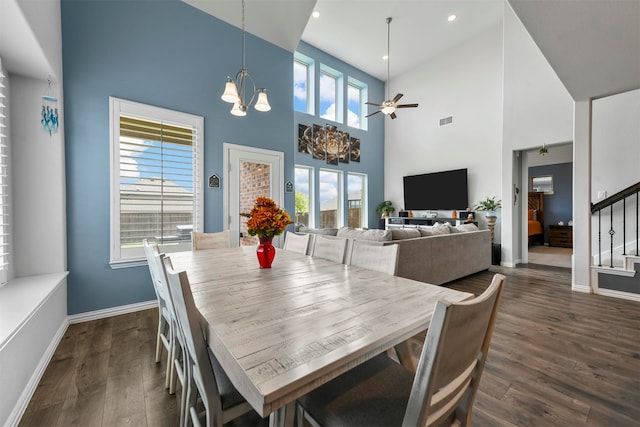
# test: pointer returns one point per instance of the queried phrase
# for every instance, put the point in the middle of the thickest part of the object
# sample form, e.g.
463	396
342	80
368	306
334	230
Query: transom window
303	83
356	98
330	103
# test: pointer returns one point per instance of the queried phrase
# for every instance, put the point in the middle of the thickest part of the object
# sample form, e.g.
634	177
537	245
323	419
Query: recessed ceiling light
451	18
315	14
385	57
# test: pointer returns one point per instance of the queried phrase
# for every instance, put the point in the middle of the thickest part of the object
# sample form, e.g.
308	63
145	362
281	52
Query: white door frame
275	158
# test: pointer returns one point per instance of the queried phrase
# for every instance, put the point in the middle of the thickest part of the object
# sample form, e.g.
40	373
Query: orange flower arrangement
266	218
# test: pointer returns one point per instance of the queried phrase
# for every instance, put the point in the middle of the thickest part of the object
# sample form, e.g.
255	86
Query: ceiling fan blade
397	97
373	103
406	106
393	115
375	112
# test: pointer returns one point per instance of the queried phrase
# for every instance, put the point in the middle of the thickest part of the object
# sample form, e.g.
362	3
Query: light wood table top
281	332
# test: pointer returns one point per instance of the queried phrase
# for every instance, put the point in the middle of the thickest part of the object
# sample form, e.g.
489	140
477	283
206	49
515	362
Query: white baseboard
27	393
619	294
109	312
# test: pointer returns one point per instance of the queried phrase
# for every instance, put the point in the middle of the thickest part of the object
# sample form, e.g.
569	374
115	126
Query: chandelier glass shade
235	90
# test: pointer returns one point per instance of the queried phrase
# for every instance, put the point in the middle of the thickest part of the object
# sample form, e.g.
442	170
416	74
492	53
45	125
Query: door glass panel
255	181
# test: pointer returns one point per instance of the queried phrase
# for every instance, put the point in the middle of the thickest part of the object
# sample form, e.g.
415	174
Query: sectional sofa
437	254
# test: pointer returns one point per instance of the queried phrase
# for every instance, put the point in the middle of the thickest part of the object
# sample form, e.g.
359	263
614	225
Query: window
156	187
330	94
303	83
304	196
330	199
4	202
356	96
356	196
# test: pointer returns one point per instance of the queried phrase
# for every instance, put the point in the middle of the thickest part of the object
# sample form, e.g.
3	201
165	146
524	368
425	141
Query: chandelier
235	89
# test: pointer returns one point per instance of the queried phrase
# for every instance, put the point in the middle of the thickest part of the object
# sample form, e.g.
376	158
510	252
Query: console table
561	235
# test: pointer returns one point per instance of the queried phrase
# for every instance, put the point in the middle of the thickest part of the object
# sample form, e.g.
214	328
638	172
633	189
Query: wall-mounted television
439	190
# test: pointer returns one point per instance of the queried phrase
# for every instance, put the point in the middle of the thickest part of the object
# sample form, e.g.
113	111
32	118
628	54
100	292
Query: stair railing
628	194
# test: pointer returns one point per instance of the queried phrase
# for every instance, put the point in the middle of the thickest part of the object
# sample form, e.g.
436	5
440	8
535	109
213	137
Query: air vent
446	121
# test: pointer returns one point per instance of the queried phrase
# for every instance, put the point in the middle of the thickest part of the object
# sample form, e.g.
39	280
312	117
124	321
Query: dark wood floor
557	358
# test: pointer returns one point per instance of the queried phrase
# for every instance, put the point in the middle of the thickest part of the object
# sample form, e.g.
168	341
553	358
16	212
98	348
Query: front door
250	172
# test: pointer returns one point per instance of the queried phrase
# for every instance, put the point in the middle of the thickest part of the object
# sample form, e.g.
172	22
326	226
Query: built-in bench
33	319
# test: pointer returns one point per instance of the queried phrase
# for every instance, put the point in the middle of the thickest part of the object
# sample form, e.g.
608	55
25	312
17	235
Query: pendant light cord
388	54
243	35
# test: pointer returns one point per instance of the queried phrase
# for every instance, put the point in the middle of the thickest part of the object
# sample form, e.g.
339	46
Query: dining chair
374	257
381	392
176	368
218	240
208	385
329	247
296	242
166	322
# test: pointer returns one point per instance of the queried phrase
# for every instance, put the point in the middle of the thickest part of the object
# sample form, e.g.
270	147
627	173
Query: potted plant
489	205
385	208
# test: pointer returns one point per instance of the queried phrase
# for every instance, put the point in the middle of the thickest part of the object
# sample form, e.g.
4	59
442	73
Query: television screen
440	190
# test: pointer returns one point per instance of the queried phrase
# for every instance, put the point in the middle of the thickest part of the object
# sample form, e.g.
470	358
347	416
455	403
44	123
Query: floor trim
113	311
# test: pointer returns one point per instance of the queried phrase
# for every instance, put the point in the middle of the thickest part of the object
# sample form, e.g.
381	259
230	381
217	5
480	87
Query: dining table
280	332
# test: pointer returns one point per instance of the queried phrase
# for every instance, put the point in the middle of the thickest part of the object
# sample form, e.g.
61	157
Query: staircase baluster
611	233
600	238
637	225
624	226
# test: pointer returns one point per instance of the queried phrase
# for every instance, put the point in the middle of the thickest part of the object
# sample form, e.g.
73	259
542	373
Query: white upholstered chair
209	387
297	243
201	241
374	257
381	392
329	247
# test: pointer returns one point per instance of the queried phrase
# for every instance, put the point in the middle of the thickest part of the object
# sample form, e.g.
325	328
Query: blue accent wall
164	53
559	205
371	140
168	54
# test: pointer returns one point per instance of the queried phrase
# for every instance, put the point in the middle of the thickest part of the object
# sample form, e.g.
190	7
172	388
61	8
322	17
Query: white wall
616	143
537	110
37	170
466	83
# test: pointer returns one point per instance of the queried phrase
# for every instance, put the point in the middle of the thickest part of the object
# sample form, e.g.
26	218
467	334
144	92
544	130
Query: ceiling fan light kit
388	107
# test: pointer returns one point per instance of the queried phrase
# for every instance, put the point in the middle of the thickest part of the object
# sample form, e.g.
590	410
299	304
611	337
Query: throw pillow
324	231
466	227
372	235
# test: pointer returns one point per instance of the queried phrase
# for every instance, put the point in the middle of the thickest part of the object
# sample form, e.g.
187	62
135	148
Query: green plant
488	204
385	208
301	203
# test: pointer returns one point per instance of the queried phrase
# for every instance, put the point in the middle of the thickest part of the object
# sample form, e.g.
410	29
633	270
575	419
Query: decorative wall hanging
49	113
328	143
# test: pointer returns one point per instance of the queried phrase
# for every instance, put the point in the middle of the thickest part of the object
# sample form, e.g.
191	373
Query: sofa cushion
435	230
404	233
372	235
324	231
467	227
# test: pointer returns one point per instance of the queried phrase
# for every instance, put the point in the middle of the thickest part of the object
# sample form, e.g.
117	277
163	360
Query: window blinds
4	187
156	181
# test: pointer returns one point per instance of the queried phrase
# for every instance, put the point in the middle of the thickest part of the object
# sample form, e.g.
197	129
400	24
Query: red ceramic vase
266	252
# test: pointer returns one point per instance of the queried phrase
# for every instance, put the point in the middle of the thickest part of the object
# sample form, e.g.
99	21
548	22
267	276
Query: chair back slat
296	243
329	247
154	261
453	358
382	258
210	240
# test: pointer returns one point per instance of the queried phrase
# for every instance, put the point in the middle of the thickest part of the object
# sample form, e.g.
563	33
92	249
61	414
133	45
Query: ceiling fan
389	106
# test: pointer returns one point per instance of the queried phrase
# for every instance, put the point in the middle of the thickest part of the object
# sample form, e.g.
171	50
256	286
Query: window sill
116	265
